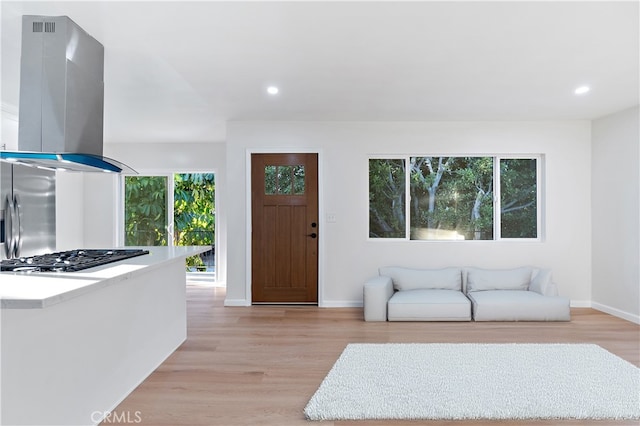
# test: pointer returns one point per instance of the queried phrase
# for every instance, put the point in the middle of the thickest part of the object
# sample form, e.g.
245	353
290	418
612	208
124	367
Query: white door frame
321	222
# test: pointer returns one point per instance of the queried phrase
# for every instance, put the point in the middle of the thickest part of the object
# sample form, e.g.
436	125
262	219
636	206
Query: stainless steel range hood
61	98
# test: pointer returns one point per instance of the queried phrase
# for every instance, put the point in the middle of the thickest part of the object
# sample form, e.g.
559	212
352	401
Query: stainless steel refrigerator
28	211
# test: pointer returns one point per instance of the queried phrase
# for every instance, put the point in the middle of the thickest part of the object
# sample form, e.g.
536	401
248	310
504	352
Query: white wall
8	128
86	213
169	157
348	258
615	187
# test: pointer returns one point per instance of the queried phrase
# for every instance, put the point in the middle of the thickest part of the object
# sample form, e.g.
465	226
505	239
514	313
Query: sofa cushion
541	282
498	279
411	279
429	305
518	305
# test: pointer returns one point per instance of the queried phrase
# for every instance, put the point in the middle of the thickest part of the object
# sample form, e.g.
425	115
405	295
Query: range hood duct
61	98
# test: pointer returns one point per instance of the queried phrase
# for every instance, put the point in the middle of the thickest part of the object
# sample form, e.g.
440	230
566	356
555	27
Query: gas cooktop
69	261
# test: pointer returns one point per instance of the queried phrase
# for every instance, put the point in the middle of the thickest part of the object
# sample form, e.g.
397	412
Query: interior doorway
173	209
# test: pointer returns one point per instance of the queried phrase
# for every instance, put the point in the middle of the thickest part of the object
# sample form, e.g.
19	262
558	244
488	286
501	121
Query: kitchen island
74	345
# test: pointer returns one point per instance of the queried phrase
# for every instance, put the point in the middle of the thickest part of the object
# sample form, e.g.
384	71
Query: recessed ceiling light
272	90
582	90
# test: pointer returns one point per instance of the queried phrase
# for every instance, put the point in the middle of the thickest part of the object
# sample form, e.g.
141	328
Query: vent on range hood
61	98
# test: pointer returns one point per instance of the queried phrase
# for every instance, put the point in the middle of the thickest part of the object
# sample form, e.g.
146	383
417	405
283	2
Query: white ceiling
178	71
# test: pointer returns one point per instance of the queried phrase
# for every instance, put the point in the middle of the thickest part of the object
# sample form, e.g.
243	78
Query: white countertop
29	290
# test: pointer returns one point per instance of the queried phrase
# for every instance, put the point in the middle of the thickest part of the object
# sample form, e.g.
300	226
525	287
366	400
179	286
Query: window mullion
497	199
120	240
407	203
170	209
539	200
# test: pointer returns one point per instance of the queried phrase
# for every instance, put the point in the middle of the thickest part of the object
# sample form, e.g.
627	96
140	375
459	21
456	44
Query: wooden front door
284	221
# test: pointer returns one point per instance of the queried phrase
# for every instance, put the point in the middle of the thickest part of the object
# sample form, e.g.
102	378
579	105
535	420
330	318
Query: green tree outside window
452	198
193	212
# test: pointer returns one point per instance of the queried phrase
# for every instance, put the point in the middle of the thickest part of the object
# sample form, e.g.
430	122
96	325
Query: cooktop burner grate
69	261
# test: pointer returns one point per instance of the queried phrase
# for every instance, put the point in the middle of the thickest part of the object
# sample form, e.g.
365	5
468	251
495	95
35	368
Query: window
284	180
194	209
454	198
387	198
173	209
145	220
519	198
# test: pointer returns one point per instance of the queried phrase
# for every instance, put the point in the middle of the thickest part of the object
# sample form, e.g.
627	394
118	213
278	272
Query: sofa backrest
412	279
542	282
478	279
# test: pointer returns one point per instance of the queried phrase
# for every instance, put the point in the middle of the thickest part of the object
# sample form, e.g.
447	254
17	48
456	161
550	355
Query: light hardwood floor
260	365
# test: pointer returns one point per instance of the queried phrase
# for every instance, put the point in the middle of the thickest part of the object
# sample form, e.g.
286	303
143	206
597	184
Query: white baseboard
580	303
236	302
358	304
341	304
616	312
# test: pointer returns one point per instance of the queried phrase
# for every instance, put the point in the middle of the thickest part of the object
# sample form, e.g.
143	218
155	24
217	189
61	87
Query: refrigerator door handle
18	227
9	227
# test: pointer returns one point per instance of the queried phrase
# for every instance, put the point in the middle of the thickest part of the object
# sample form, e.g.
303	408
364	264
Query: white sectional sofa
462	294
521	294
403	294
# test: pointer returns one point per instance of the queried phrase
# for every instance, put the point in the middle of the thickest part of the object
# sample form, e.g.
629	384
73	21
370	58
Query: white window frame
539	197
497	217
170	213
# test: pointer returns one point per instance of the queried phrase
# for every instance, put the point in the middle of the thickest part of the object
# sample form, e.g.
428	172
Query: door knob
312	235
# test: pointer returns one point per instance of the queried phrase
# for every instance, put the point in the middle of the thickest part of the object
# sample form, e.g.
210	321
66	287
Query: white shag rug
477	381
